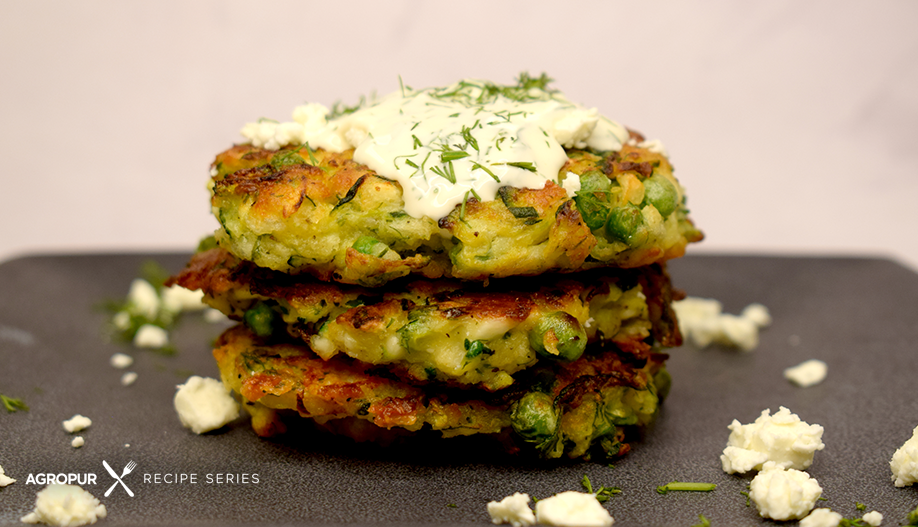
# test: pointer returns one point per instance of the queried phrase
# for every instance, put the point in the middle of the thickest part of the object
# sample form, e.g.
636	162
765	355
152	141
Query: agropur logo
84	479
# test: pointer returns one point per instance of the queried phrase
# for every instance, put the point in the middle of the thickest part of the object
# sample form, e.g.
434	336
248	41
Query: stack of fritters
538	317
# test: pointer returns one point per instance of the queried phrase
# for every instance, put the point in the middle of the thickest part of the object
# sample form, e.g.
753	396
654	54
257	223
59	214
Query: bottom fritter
574	409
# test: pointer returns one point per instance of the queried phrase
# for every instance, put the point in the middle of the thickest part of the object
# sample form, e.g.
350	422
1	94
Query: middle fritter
446	330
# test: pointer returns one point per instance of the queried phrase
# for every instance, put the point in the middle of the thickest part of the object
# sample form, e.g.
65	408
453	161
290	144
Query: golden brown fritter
558	411
301	211
447	330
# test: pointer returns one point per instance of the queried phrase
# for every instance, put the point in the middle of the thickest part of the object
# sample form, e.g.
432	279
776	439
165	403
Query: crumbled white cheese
904	462
783	494
807	373
128	378
513	510
150	336
65	505
312	116
122	320
143	299
655	146
571	184
4	479
77	423
77	442
873	518
821	518
572	509
782	438
702	321
177	299
214	316
121	361
204	404
758	314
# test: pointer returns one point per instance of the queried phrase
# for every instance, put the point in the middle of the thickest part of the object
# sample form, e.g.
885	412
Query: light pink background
793	125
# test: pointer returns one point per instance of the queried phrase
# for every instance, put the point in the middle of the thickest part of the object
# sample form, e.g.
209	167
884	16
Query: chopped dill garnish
602	493
525	165
13	404
682	486
704	522
452	155
478	166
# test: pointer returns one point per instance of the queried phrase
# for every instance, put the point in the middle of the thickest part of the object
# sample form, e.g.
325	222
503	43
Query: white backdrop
792	125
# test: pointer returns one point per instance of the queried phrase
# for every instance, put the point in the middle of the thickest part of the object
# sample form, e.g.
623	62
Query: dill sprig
472	93
683	486
602	493
704	522
340	109
525	165
13	404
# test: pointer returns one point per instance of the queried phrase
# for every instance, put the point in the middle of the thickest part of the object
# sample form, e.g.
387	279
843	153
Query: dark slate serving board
858	315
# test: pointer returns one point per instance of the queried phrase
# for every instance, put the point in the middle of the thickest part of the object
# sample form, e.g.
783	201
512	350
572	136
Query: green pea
594	181
591	199
593	210
661	193
558	335
261	319
626	224
663	382
534	417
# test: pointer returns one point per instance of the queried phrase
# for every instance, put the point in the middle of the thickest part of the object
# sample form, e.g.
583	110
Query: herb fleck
13	404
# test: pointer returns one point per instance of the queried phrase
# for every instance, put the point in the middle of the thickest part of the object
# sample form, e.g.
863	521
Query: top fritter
470	181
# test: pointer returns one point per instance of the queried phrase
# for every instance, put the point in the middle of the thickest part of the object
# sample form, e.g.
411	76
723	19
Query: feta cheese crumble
873	518
65	505
702	321
808	373
904	462
150	336
821	518
781	438
77	442
143	299
204	404
177	299
783	494
4	479
513	510
77	423
121	361
214	316
128	378
572	509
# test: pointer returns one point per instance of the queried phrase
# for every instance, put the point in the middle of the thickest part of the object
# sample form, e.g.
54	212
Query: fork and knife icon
127	470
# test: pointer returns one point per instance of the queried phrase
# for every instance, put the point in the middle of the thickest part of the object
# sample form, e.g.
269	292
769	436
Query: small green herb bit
744	493
602	493
912	518
704	522
682	486
586	483
12	404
